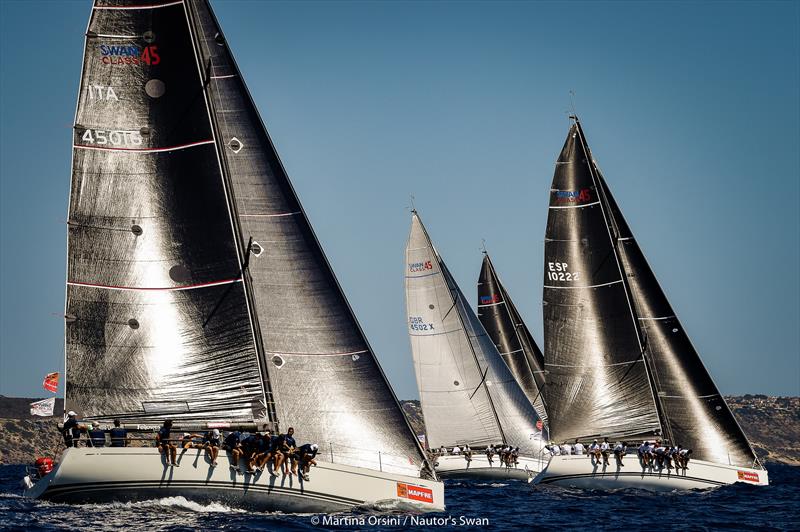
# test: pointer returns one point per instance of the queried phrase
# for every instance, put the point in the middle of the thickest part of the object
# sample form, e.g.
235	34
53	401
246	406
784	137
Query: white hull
579	471
89	475
455	466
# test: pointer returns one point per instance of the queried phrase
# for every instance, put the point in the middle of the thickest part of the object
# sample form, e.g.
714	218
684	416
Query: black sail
695	413
509	333
152	251
325	379
597	380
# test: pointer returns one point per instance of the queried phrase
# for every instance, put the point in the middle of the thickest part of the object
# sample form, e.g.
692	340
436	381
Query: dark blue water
500	506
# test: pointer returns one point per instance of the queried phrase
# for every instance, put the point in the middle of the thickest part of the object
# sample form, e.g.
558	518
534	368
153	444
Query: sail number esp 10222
559	271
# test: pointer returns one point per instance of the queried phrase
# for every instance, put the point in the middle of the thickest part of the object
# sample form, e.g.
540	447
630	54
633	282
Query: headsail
324	376
695	413
505	327
467	392
597	380
152	250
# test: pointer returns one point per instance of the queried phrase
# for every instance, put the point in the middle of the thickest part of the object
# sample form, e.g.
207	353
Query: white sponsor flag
43	408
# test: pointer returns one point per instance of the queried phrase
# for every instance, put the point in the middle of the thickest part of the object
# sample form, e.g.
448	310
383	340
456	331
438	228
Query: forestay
468	395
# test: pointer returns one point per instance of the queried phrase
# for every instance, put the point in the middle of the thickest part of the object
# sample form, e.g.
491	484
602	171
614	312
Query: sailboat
468	395
619	362
197	290
504	325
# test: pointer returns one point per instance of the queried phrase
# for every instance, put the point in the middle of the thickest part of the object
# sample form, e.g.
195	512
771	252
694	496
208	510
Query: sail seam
142	6
493	304
421	276
435	334
154	289
659	318
573	206
146	150
318	354
597	365
580	287
269	215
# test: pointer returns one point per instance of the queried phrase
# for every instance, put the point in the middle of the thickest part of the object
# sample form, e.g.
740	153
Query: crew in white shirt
456	450
566	448
578	447
604	448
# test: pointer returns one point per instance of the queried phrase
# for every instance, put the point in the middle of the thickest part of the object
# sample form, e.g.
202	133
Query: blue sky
690	108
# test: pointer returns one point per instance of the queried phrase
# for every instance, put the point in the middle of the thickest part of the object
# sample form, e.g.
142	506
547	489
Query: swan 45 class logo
488	300
129	54
414	267
415	493
573	196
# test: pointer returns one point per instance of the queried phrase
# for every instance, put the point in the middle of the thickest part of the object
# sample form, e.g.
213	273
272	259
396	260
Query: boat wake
176	503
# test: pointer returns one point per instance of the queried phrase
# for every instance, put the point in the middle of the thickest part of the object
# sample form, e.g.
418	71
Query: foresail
324	377
696	415
468	394
151	248
597	382
505	327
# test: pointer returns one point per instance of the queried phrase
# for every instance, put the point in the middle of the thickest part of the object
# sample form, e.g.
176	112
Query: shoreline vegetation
771	423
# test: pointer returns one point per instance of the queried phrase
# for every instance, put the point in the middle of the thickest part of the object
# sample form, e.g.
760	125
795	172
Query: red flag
539	424
51	382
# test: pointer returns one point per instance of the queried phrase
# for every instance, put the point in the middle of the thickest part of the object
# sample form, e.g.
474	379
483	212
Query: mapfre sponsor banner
415	493
747	476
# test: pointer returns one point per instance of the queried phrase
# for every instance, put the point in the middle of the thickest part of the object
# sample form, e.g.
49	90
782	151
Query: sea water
471	505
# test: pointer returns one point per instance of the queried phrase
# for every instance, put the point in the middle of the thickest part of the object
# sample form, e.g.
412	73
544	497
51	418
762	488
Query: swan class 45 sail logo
573	196
129	54
415	493
416	267
489	300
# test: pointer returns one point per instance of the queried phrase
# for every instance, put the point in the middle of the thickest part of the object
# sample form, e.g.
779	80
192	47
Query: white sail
467	392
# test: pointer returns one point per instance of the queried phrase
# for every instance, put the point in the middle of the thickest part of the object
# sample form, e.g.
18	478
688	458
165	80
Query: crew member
578	447
605	447
212	441
97	436
305	458
72	430
119	436
234	445
620	450
165	445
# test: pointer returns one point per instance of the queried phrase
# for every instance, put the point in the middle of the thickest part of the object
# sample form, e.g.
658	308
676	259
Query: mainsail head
597	381
467	392
159	226
511	336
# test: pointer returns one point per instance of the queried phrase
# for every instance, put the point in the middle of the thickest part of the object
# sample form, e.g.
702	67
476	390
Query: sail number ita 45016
112	137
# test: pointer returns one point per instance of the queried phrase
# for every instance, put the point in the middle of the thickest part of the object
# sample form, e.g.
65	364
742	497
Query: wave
178	503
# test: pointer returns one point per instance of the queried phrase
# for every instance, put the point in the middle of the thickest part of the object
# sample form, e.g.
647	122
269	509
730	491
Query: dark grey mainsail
695	414
505	327
597	381
197	289
151	248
